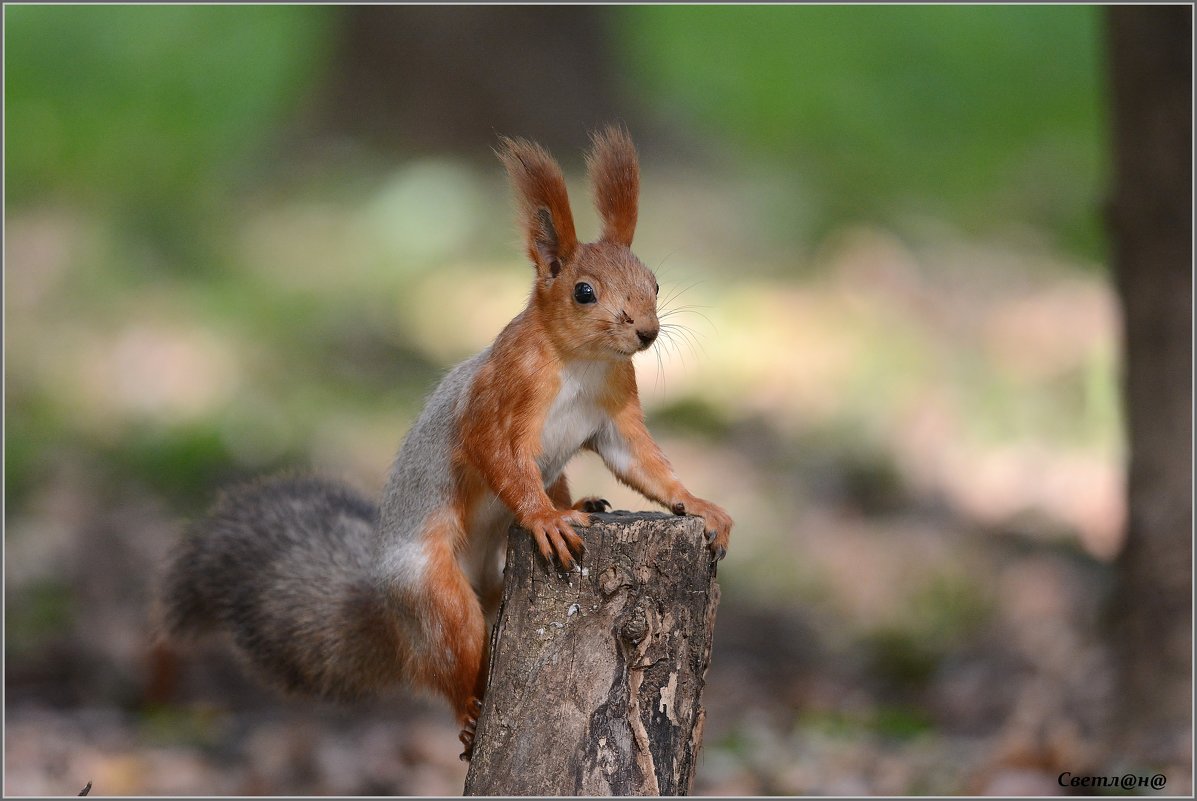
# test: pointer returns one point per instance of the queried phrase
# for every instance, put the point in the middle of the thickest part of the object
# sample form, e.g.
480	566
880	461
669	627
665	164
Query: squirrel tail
284	566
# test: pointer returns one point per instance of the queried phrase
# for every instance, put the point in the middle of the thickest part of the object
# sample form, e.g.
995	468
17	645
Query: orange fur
559	493
539	185
614	172
500	430
454	630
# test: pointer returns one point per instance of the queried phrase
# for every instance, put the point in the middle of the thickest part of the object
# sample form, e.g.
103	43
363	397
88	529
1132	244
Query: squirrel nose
647	337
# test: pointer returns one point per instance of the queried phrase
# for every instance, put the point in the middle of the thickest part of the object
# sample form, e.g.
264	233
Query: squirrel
331	595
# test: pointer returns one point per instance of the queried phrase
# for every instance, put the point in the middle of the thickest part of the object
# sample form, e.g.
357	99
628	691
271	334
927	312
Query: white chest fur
573	417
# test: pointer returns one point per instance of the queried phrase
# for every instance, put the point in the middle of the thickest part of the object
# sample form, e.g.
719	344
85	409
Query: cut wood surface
596	675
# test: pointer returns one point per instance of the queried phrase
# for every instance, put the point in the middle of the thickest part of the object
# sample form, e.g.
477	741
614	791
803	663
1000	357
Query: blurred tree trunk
451	77
1151	66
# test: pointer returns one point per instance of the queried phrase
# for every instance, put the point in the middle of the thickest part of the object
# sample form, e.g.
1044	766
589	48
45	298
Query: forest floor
994	681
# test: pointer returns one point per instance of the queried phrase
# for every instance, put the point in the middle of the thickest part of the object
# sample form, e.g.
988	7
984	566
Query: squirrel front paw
717	521
554	533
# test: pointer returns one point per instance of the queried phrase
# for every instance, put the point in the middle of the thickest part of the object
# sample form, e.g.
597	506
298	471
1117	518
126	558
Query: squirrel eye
584	293
658	289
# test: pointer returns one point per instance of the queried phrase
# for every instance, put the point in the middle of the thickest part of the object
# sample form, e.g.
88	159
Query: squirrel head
597	300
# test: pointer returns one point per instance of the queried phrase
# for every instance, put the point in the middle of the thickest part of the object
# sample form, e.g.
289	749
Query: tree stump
596	675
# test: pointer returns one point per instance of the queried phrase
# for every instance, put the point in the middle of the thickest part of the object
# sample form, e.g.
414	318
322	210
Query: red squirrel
328	594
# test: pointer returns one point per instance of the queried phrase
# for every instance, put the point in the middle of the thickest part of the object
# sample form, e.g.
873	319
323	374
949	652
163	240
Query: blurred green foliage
136	110
986	116
172	725
46	610
895	722
940	617
980	115
174	461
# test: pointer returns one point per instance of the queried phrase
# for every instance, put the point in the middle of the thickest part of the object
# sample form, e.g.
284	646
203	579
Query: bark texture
596	676
1150	217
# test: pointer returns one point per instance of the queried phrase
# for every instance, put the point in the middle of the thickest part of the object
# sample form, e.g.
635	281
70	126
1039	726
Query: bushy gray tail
284	566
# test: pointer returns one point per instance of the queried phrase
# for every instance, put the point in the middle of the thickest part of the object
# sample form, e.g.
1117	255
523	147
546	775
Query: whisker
692	337
681	327
677	293
687	331
664	259
690	310
660	383
687	307
688	336
673	344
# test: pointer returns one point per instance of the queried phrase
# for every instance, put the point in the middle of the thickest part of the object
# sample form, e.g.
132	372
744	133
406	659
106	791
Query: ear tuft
544	212
614	173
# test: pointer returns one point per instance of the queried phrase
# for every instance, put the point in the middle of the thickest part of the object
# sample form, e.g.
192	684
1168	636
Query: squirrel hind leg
592	504
450	655
559	494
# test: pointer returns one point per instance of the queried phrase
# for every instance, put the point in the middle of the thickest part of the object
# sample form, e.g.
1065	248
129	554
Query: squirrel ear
544	211
615	175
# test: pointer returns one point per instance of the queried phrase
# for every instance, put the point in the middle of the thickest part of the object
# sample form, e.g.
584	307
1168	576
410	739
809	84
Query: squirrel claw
717	524
555	536
467	740
469	729
593	505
